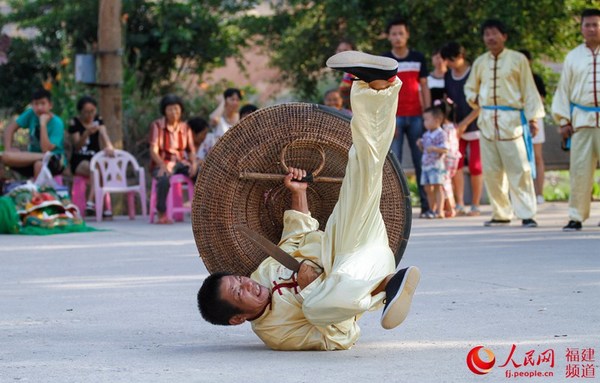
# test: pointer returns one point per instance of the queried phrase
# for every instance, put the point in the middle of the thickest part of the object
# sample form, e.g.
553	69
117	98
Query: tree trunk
111	68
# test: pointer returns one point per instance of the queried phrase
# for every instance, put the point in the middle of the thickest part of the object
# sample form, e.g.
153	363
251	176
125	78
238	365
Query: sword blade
269	247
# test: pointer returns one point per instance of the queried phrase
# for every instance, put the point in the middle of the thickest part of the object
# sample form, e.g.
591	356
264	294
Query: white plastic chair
110	176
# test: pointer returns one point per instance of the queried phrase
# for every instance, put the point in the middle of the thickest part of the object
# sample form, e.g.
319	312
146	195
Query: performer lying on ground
319	311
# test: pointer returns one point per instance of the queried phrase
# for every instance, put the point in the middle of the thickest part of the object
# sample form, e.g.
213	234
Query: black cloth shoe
90	209
364	66
107	214
398	296
56	165
573	226
496	222
529	223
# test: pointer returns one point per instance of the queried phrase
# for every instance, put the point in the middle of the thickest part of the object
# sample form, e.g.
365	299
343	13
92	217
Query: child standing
451	160
435	147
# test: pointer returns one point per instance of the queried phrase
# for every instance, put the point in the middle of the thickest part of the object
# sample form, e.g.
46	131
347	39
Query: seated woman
170	139
88	135
227	113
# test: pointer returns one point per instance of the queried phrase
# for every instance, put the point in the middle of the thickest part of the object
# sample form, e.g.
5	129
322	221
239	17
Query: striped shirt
172	144
411	69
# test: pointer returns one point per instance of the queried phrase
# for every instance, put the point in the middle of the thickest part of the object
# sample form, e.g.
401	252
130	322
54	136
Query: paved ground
119	306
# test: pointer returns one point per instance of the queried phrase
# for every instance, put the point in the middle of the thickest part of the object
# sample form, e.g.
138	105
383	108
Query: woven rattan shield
241	183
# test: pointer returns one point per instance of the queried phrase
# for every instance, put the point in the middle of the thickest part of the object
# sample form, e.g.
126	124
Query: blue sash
591	109
526	133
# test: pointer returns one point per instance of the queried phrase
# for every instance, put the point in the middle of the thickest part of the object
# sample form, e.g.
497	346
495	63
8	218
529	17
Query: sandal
164	220
475	212
460	211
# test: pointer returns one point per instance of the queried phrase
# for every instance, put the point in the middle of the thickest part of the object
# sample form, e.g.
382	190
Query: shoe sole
397	310
569	229
354	58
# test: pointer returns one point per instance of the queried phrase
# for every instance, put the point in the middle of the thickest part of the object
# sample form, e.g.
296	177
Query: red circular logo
476	364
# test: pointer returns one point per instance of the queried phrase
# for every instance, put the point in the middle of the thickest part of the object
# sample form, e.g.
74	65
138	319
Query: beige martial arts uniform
580	84
353	251
505	81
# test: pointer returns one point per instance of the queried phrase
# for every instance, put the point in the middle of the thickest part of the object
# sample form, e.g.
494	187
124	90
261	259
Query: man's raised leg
356	254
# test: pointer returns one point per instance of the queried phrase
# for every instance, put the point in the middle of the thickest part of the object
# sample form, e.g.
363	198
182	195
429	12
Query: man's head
232	97
247	109
87	108
494	35
438	61
199	128
41	102
433	117
227	299
171	106
527	54
344	45
590	26
454	54
333	99
398	33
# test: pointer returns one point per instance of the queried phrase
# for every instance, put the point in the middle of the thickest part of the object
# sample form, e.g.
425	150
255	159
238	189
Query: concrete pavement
120	306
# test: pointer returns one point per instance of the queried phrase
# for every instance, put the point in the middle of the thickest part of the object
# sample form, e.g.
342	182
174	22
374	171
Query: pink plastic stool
79	195
175	208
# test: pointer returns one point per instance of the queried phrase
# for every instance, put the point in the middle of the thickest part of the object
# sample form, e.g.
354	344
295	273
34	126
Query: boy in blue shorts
46	134
435	147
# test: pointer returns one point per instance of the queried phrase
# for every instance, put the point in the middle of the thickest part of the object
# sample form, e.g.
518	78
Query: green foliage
159	37
167	35
303	33
557	186
413	186
22	65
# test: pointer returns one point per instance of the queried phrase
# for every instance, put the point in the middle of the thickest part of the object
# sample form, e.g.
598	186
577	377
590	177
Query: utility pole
110	81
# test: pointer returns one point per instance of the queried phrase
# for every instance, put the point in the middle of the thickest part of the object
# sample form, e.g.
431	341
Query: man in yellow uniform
576	107
319	311
502	85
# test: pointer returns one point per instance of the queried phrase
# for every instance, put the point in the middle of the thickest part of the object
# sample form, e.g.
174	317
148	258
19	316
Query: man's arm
561	104
425	93
106	143
9	132
193	158
45	144
154	150
464	124
472	85
534	108
298	189
216	114
306	274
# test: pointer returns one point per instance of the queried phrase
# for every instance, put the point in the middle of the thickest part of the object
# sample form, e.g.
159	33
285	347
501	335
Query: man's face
88	112
173	113
438	61
398	36
41	106
233	102
343	47
334	100
245	294
494	39
431	122
590	29
454	62
200	137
